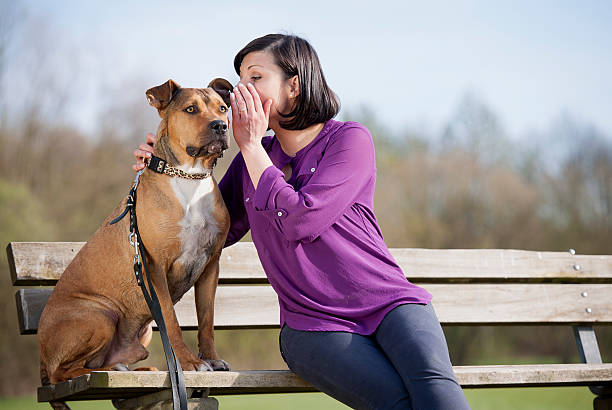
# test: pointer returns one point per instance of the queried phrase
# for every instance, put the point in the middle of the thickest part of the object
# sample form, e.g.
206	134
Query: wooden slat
128	384
534	375
473	304
30	304
42	263
39	263
502	265
253	306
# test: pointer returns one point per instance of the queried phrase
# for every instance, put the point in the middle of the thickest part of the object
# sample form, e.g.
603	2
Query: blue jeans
404	364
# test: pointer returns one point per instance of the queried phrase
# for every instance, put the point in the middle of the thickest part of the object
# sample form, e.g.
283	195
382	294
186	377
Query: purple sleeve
231	191
347	166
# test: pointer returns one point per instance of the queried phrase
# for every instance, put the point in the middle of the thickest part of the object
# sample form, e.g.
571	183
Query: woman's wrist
256	159
252	148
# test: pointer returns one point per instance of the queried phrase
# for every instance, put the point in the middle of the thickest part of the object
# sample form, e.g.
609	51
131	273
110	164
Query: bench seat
109	385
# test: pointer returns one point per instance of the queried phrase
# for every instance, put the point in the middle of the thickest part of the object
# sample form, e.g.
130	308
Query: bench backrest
475	287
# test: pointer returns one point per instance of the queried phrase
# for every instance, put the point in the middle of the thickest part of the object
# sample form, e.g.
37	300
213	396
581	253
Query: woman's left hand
249	117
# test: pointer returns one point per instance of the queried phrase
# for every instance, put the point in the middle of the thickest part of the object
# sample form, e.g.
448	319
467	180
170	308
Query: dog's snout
220	127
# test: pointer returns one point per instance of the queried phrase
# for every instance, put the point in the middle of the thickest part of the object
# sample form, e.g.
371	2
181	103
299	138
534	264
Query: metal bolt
584	294
572	251
576	267
588	310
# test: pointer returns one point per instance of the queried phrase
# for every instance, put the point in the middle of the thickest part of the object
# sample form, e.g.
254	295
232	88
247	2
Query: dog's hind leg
145	336
61	373
128	345
75	340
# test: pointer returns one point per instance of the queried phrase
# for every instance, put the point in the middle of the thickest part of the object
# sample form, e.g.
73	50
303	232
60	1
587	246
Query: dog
96	317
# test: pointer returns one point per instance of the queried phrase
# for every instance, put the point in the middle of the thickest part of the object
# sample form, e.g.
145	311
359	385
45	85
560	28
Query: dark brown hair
316	102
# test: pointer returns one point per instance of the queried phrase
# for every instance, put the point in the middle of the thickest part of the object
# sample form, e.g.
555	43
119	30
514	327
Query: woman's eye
223	108
255	77
191	109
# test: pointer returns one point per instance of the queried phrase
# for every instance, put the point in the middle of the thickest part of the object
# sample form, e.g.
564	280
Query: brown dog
97	317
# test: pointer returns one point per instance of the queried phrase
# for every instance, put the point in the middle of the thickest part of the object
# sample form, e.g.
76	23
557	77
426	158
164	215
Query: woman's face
260	69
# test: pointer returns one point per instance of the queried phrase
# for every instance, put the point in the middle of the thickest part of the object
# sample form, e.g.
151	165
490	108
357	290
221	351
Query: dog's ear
160	96
223	88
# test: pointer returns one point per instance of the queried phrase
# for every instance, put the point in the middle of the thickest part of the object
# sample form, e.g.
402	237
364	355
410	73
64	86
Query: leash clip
138	174
133	238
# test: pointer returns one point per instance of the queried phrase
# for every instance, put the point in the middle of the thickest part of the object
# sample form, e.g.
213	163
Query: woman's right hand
144	150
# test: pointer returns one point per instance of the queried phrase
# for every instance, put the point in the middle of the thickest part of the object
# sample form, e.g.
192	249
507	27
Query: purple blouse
316	234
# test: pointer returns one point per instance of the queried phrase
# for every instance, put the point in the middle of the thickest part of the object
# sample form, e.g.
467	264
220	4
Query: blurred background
492	123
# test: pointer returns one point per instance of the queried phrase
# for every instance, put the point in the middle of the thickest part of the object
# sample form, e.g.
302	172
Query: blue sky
411	62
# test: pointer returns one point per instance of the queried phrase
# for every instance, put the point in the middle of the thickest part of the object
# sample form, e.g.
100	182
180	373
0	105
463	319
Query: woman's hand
249	117
144	150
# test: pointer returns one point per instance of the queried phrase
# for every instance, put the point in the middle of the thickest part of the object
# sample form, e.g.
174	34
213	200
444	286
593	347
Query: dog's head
195	120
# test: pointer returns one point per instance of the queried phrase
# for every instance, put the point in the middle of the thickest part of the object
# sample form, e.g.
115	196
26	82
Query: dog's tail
45	381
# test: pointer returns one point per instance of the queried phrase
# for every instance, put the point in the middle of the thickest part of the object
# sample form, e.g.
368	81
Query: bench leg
204	403
163	401
603	402
586	340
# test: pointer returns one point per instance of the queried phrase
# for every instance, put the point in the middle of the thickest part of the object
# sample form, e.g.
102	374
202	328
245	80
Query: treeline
473	186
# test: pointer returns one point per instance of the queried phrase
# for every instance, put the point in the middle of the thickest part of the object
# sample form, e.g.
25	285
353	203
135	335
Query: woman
351	324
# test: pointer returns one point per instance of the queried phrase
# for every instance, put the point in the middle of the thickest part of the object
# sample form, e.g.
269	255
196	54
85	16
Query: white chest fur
198	227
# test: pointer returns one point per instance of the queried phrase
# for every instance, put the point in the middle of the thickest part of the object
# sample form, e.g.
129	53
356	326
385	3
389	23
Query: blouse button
312	170
279	213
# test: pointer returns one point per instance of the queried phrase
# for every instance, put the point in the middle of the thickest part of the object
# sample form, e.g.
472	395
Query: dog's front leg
187	359
205	289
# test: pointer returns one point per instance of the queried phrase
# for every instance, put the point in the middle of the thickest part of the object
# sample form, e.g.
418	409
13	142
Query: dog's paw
146	369
215	364
218	365
120	367
203	367
195	365
189	362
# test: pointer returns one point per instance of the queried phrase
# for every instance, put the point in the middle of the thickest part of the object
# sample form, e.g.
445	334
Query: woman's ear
294	87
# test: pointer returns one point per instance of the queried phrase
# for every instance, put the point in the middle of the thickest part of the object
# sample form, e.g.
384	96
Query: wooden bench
470	287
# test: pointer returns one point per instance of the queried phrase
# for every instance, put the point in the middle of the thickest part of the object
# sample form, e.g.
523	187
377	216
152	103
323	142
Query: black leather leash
177	379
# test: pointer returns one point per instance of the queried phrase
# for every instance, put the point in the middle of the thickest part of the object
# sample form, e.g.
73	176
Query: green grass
532	398
558	398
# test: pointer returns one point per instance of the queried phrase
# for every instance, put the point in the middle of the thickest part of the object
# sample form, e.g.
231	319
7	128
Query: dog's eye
191	109
223	108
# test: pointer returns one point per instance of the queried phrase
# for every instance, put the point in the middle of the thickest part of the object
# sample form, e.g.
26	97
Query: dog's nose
220	127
